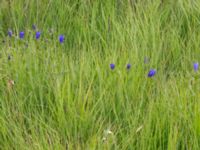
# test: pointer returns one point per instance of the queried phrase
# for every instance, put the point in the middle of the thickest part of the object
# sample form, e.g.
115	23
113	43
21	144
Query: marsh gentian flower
21	35
112	66
61	38
196	66
151	73
37	35
9	33
128	66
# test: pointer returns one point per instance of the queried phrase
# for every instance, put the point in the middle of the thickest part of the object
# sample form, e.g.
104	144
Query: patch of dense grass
65	96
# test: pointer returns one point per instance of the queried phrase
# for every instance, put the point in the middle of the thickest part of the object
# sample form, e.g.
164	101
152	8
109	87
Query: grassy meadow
65	95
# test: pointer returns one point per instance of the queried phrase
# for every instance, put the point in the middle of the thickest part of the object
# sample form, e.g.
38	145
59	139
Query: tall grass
65	96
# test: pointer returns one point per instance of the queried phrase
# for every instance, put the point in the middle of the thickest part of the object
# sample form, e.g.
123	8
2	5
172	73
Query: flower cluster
152	72
61	37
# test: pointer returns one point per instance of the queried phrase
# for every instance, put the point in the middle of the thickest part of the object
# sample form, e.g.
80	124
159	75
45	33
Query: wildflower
37	35
21	35
9	33
151	73
61	38
112	66
128	66
107	133
196	66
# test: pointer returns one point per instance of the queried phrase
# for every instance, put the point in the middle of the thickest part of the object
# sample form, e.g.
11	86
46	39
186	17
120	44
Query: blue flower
196	66
151	73
21	35
9	33
128	66
61	38
37	35
112	66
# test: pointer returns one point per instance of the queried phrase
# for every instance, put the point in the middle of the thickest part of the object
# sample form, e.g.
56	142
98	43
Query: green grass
66	96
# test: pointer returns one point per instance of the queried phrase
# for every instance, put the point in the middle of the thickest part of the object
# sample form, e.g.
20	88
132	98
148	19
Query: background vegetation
65	96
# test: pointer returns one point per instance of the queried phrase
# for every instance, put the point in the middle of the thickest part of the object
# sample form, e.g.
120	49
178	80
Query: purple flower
196	66
112	66
37	35
128	66
151	73
61	38
9	33
21	35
